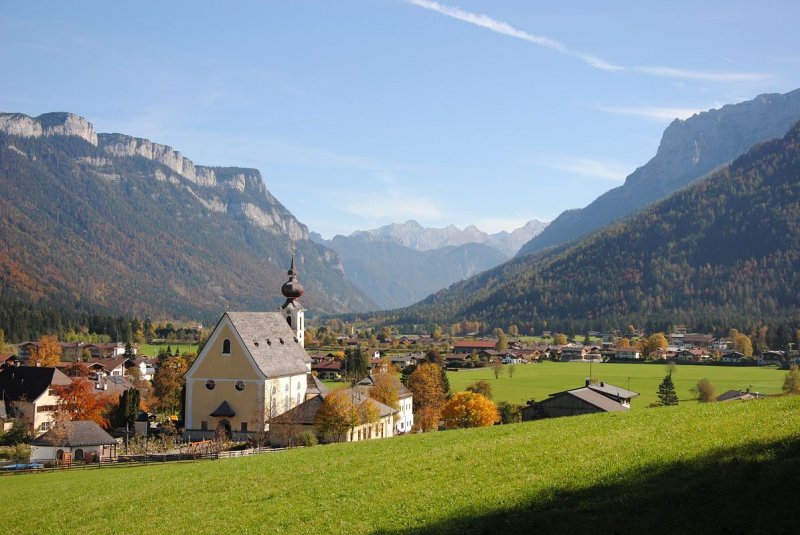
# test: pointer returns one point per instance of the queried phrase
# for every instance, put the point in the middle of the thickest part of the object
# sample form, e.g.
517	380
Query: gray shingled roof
611	390
305	413
316	386
82	433
402	391
271	342
598	400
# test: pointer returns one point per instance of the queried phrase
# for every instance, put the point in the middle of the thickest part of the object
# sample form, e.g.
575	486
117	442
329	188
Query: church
252	368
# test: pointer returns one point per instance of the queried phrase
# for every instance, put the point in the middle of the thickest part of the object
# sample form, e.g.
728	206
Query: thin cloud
392	205
705	76
589	167
653	112
487	22
484	21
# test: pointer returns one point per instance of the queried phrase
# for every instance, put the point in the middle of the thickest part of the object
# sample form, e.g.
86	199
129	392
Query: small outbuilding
74	441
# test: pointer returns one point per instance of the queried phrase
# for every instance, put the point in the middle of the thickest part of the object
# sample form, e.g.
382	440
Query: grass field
696	468
538	381
151	350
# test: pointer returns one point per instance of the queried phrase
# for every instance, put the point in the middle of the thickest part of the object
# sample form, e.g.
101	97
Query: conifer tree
666	392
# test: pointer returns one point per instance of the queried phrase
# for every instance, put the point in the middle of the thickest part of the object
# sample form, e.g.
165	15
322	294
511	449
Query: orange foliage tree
337	415
47	354
468	409
78	402
426	384
386	389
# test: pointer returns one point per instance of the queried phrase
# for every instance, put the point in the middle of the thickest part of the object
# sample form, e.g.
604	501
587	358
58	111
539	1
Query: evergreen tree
445	384
356	364
666	392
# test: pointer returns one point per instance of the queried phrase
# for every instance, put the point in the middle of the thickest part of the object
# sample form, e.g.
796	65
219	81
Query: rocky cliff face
689	150
49	124
141	229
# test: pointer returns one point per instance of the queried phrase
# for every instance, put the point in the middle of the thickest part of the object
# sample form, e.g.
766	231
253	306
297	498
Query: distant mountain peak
415	236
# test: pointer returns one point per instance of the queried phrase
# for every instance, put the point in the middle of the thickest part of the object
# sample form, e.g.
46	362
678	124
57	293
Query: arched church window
289	320
226	347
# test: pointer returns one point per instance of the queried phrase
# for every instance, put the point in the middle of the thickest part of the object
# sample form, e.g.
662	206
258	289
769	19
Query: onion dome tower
292	310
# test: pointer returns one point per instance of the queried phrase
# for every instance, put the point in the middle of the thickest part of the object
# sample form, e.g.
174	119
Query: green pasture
151	350
694	468
538	381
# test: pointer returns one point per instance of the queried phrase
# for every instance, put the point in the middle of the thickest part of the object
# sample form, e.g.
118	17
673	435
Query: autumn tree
468	409
76	369
791	383
78	401
502	343
623	342
654	343
425	382
513	330
386	389
48	352
168	384
337	415
481	387
559	339
741	343
705	391
497	367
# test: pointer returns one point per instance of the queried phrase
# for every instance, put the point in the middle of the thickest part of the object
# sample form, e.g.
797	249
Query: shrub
791	384
705	391
307	439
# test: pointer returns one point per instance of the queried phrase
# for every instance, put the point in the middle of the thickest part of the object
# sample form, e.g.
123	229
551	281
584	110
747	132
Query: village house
573	352
253	368
739	395
328	370
404	419
290	426
28	394
469	346
627	353
588	399
80	441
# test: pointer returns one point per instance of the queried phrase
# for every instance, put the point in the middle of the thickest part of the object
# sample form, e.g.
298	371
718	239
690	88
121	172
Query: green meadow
694	468
151	350
538	381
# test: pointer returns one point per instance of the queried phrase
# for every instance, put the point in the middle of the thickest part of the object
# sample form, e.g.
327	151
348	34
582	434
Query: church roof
271	342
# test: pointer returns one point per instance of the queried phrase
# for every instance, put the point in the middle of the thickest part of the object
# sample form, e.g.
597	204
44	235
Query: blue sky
363	113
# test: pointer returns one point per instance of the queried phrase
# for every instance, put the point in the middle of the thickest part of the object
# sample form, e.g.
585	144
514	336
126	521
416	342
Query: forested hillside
121	225
726	248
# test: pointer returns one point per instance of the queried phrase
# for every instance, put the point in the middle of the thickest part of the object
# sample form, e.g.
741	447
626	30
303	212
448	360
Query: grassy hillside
714	468
537	381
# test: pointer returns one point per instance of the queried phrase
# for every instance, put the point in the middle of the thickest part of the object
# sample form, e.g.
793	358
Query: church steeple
292	290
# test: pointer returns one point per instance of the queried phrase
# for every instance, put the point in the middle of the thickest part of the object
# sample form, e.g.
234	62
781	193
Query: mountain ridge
689	149
165	237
